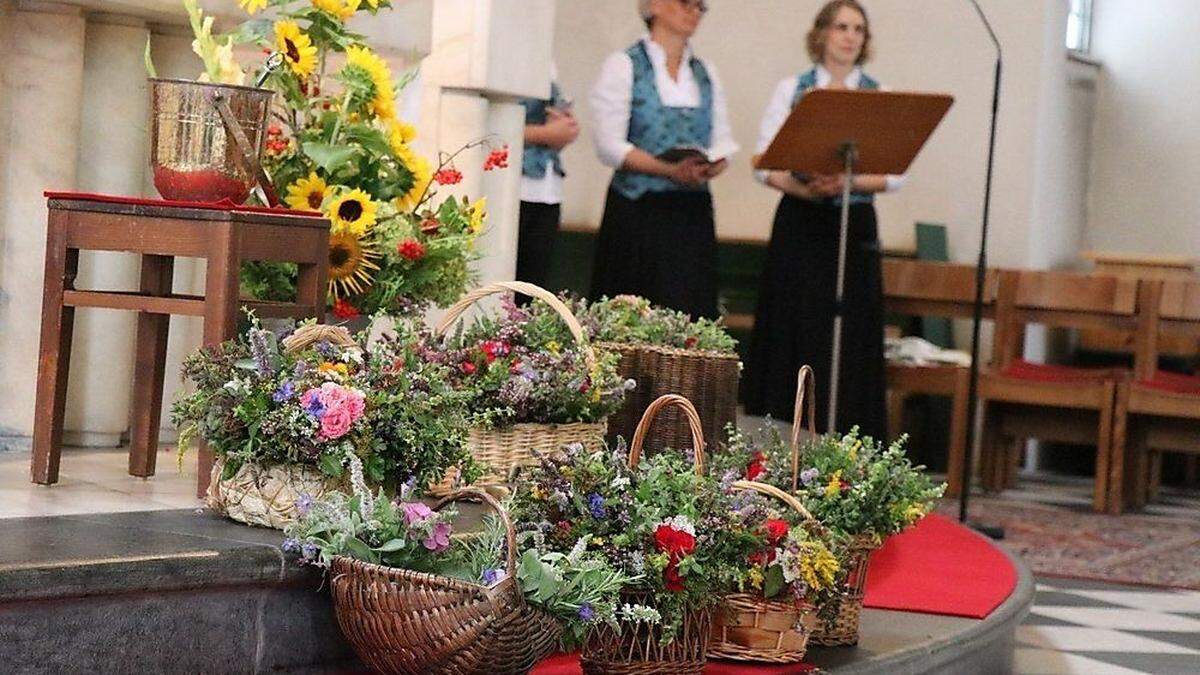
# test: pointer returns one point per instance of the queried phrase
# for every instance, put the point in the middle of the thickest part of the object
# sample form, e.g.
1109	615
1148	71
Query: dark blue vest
807	81
656	128
537	157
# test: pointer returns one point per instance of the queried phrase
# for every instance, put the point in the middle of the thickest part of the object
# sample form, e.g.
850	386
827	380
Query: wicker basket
629	366
840	629
637	648
503	450
752	628
709	380
266	495
400	621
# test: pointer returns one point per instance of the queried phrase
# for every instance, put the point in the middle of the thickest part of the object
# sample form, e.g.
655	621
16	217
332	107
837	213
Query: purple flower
325	349
416	513
439	538
586	613
494	576
303	504
309	551
407	488
284	392
260	351
596	506
809	475
291	545
300	369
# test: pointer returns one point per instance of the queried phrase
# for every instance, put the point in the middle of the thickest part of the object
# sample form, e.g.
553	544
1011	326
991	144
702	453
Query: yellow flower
597	541
853	453
307	194
835	484
298	51
478	212
352	212
537	492
400	134
328	368
553	347
337	8
422	178
818	567
351	264
383	101
252	6
914	512
755	577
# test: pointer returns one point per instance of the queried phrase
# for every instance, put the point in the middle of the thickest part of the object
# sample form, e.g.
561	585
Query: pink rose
335	423
355	403
332	395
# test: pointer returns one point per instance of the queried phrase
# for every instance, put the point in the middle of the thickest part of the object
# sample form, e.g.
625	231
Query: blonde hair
825	17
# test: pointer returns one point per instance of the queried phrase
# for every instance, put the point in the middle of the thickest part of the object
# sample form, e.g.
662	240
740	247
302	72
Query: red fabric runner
937	567
224	205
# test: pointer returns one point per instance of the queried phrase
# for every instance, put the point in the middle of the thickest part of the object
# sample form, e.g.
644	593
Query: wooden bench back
1169	306
921	288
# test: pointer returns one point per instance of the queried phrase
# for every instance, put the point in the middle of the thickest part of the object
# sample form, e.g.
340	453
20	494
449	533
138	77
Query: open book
710	155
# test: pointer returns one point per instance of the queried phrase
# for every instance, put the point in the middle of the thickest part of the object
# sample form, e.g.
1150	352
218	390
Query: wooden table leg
150	360
1109	470
54	357
220	312
312	288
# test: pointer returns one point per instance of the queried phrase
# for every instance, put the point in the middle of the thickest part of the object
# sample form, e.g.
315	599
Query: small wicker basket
405	622
505	449
637	648
752	628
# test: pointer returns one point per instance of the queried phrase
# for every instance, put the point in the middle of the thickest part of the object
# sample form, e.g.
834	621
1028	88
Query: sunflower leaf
370	138
328	156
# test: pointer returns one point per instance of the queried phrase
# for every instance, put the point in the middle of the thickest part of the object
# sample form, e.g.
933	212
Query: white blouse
611	95
781	106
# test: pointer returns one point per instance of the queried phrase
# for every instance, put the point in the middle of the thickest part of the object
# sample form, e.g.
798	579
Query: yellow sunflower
383	103
478	213
252	6
298	51
352	265
307	194
422	177
342	9
352	212
400	134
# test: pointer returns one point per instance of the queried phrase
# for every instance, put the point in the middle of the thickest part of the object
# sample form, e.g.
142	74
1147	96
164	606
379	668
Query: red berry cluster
496	159
448	176
276	143
411	249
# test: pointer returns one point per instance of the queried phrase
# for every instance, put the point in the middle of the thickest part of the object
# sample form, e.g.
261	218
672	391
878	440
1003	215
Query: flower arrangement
667	528
256	402
629	319
522	365
336	145
578	588
850	483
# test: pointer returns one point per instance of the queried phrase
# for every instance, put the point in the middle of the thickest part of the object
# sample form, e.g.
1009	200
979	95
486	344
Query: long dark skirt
794	322
661	246
538	229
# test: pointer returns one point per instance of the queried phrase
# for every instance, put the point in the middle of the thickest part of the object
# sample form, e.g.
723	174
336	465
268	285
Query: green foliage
628	319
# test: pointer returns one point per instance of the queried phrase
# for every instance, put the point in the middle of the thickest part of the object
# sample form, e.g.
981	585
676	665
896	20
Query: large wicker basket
266	495
637	648
752	628
629	366
400	621
505	449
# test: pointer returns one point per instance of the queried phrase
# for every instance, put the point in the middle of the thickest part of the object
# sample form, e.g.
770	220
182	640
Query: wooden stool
223	237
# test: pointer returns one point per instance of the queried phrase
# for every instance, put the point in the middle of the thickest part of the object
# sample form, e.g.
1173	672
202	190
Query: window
1079	26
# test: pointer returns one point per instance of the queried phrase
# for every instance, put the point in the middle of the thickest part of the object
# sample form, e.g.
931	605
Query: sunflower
252	6
422	176
352	212
383	101
400	135
342	9
307	194
352	264
298	51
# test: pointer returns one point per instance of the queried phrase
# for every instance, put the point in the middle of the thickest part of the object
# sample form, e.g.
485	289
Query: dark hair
825	17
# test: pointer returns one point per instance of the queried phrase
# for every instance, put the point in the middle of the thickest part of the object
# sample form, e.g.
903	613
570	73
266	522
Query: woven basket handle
510	533
457	309
806	386
790	500
643	427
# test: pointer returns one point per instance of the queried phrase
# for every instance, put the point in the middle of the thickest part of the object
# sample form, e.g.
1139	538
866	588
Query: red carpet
938	567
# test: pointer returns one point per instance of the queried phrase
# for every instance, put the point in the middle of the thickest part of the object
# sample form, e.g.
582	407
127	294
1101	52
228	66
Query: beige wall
1143	196
940	47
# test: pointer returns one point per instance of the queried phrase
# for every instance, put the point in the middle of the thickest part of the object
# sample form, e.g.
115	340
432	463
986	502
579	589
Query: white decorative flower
680	524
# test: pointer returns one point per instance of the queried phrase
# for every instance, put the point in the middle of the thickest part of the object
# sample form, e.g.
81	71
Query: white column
42	82
112	159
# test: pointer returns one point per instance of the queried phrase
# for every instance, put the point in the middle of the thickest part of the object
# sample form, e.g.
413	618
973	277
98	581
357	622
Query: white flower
620	482
640	614
680	524
577	550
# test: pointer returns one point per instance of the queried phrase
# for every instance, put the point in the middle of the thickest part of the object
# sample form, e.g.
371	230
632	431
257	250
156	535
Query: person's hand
689	172
561	128
715	169
827	186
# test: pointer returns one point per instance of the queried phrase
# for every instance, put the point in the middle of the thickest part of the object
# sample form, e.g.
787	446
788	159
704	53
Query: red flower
492	349
274	130
411	249
467	367
563	525
844	484
675	543
342	309
762	558
448	176
515	367
496	159
776	531
690	342
757	466
671	576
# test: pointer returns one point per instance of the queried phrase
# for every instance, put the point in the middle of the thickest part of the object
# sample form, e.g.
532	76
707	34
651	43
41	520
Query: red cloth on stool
1175	383
1050	372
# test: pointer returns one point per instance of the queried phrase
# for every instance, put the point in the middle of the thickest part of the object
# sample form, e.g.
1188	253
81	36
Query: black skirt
661	246
538	229
794	322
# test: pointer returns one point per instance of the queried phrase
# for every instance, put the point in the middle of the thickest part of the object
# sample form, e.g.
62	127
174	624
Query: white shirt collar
824	77
658	55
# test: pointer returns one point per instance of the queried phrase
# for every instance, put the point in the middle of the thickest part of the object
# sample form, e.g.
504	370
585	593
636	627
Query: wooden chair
1023	400
1158	411
927	289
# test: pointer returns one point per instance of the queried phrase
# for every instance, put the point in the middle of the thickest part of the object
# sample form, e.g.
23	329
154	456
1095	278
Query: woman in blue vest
794	322
657	238
550	126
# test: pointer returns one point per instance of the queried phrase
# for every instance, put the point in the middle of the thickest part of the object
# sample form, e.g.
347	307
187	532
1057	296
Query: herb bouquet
660	520
283	415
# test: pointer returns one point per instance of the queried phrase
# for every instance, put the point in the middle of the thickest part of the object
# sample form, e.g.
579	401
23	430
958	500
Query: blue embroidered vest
537	157
656	128
808	81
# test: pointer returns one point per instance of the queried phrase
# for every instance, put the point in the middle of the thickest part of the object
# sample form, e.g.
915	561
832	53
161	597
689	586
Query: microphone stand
995	532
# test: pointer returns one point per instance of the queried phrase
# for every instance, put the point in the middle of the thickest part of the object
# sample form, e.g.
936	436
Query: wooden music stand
852	131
